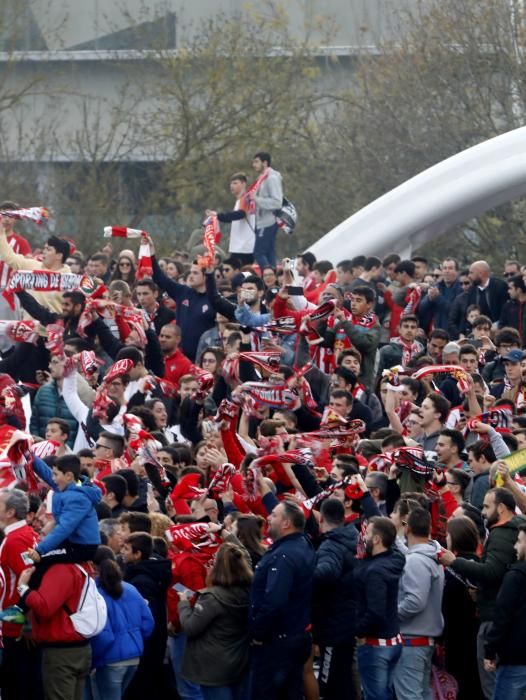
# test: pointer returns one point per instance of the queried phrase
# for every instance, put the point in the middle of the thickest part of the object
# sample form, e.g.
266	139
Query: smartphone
183	589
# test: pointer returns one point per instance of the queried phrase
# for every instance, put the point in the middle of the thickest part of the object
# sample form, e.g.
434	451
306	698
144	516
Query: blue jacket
281	593
436	311
73	510
129	623
47	404
376	588
194	311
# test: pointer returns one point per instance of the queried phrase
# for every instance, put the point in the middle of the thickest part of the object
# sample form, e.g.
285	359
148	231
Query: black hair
264	156
68	463
141	542
504	497
117	485
60	245
407	266
364	291
110	575
456	438
419	522
385	529
333	512
132	481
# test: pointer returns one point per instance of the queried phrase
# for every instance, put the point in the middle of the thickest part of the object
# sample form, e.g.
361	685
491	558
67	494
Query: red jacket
176	365
61	586
19	537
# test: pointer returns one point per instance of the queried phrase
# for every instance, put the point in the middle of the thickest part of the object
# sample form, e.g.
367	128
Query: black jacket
281	596
151	577
333	613
506	637
458	322
498	296
488	574
162	317
376	588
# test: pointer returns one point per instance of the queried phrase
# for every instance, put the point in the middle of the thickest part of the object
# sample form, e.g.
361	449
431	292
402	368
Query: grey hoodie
269	197
420	592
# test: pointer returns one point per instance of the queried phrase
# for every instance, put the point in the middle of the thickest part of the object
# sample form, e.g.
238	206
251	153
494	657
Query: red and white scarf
122	232
211	236
20	331
38	215
409	350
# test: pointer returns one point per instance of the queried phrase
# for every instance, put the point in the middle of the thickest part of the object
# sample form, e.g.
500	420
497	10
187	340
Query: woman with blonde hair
217	653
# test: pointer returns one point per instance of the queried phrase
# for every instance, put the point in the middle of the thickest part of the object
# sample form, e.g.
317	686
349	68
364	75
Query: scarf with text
195	537
499	417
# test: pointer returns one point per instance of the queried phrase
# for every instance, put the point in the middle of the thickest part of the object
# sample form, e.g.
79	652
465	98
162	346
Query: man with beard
488	573
280	609
377	624
487	292
176	364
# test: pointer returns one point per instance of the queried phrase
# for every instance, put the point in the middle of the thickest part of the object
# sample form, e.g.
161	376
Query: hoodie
333	599
376	588
73	510
420	592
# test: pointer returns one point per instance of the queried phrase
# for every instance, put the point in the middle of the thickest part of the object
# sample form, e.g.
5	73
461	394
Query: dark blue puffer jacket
334	604
281	596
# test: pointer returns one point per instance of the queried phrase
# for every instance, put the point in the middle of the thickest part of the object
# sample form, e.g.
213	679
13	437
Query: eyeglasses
124	264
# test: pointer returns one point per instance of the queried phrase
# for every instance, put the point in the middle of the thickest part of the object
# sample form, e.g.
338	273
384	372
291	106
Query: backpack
287	216
92	613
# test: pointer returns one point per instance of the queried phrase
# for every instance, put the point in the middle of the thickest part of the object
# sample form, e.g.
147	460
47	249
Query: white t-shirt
242	236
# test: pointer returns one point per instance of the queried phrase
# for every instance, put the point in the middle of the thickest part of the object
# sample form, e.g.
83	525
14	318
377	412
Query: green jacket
365	340
217	650
487	574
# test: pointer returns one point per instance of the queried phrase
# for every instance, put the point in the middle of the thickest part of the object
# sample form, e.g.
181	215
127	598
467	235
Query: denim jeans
511	683
236	691
110	682
376	666
487	678
265	247
413	674
277	668
186	689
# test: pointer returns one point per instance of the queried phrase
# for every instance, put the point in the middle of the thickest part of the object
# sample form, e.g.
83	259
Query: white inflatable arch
432	202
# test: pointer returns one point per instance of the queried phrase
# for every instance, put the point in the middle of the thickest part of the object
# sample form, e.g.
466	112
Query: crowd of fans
286	481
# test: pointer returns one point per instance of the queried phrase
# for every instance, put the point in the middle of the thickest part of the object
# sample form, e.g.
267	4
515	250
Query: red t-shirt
19	244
